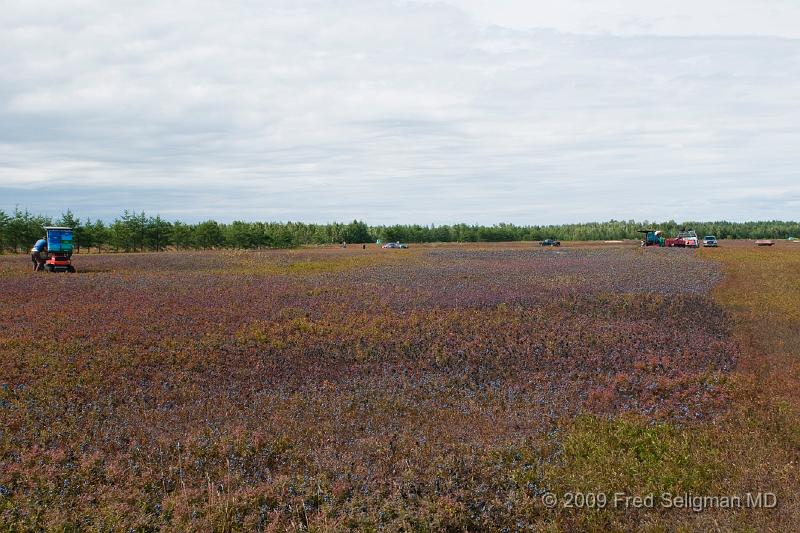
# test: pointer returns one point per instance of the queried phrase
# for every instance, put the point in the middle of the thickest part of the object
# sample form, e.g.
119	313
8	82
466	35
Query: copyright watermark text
665	500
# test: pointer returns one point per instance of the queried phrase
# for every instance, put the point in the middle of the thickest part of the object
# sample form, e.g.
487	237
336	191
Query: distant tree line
136	232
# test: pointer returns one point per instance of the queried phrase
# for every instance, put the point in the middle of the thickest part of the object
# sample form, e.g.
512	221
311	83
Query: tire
49	268
71	269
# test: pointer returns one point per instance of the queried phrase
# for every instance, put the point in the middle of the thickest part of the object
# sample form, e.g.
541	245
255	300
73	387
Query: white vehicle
690	239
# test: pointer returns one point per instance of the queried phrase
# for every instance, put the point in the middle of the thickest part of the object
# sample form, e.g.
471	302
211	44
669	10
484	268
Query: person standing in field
38	253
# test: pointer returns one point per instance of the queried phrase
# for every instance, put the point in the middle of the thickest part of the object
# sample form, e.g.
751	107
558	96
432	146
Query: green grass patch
633	456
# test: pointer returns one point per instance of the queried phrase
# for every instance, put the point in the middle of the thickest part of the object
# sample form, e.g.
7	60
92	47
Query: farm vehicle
685	239
57	253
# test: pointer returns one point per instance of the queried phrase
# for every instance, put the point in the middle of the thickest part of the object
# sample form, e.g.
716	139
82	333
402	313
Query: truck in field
685	239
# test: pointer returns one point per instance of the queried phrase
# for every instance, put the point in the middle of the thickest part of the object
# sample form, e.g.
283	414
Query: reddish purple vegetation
325	387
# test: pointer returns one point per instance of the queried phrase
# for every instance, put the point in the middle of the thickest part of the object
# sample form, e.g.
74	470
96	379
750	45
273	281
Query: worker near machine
38	254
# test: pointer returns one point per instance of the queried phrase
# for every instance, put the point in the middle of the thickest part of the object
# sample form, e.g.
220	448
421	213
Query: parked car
550	242
397	244
710	240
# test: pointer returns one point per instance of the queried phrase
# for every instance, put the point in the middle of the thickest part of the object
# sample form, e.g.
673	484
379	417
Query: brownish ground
444	387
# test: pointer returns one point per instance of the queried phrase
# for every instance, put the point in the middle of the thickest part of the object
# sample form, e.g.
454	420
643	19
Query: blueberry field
438	388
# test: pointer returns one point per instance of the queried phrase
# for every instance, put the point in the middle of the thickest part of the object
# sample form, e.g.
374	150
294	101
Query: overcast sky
400	111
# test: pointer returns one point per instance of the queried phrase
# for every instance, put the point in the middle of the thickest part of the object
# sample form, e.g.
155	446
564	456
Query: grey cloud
387	111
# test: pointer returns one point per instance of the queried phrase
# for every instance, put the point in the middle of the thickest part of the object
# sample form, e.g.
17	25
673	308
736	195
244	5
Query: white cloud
776	18
397	111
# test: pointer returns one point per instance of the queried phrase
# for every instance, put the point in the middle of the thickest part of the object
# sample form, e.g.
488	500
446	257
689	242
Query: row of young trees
592	231
136	232
133	231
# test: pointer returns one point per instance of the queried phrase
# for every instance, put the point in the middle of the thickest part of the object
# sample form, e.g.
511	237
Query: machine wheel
71	269
49	268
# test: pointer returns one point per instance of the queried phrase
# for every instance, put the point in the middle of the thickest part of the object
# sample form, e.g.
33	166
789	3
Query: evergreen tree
4	228
208	234
356	232
101	236
123	232
157	233
181	235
